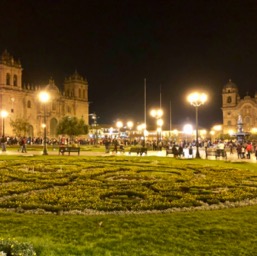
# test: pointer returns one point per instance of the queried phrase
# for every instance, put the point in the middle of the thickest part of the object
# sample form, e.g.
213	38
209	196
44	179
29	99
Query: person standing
107	144
190	152
24	148
22	144
249	150
242	151
239	151
3	144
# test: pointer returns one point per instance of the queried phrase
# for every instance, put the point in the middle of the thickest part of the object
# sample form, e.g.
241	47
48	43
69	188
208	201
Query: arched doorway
53	127
31	131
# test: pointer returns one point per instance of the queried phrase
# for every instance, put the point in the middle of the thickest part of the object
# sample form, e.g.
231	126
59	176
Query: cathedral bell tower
76	94
10	72
229	95
230	100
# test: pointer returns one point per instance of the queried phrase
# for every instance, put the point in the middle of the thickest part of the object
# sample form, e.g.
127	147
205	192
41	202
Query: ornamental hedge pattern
63	184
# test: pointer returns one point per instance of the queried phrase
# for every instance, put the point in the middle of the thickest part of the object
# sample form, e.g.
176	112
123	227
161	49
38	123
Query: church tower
76	94
230	95
230	100
11	95
10	72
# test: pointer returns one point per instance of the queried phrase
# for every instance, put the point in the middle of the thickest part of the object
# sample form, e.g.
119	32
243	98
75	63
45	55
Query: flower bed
15	248
119	184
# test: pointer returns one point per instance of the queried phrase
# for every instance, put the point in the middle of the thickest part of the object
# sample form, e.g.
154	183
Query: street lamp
197	99
119	124
157	114
130	124
44	98
4	114
159	127
187	129
95	133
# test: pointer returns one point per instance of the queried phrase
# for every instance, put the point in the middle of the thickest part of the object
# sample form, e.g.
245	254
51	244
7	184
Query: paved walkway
230	157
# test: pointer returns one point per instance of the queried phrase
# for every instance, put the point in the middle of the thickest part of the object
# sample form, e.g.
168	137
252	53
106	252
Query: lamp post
44	98
187	130
4	114
159	128
130	124
119	124
95	134
197	99
157	114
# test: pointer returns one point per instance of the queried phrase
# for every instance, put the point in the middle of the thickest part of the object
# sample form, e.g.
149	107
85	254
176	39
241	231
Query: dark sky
176	45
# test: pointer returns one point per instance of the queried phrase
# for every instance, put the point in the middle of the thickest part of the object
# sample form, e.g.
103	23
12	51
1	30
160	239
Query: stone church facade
233	106
22	101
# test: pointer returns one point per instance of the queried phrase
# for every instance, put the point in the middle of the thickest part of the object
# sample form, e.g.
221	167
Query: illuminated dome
52	88
230	85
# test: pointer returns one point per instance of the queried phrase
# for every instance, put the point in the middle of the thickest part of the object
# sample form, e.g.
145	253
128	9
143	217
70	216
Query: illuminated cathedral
233	106
22	101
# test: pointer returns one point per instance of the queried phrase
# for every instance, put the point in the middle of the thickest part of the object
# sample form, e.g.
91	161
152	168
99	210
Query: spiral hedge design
120	184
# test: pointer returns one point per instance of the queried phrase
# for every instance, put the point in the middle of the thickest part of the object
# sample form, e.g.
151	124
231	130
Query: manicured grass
220	232
73	184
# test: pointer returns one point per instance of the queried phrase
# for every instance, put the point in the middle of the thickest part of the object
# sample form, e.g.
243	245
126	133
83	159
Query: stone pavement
230	157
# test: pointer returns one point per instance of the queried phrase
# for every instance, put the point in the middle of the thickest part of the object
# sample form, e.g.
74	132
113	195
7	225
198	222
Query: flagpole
170	117
160	96
145	101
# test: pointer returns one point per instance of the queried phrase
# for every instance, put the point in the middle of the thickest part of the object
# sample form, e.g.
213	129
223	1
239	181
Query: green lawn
220	232
46	201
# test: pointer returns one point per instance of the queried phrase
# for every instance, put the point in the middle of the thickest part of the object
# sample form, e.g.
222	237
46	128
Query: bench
216	152
169	152
138	150
68	149
176	152
221	153
119	149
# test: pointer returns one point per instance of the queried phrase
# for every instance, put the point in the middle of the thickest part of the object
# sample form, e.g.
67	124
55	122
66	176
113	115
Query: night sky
176	45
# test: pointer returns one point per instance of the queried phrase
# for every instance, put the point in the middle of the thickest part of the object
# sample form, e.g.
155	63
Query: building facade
233	106
22	101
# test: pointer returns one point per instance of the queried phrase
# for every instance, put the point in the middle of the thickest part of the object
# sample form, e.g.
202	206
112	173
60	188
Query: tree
72	126
20	126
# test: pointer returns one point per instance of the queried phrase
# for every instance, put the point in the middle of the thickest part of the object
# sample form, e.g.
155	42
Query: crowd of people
243	149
